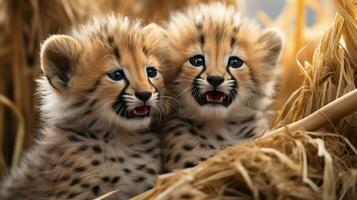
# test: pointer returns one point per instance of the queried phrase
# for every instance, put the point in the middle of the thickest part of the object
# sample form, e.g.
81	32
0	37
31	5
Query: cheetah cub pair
108	80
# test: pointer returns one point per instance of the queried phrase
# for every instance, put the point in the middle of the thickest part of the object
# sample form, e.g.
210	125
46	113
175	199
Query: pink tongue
215	96
142	110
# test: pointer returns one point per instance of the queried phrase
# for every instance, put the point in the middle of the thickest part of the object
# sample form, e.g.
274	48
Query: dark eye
151	72
117	75
197	60
235	62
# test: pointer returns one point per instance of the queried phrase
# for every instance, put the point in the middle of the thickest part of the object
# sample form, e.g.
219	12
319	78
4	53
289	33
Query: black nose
144	96
215	81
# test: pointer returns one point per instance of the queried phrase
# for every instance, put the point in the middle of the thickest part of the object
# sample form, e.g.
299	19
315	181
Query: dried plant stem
20	133
331	112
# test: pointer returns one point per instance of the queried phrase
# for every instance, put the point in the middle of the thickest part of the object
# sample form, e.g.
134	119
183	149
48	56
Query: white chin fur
133	124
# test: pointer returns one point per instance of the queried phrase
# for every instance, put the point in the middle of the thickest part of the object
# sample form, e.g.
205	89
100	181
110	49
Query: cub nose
215	81
144	96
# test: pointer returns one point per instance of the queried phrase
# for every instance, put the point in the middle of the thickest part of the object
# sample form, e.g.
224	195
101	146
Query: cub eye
235	62
197	60
117	75
151	72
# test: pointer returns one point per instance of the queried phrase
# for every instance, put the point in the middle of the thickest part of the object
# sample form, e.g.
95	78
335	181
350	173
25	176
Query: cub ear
59	57
271	40
155	37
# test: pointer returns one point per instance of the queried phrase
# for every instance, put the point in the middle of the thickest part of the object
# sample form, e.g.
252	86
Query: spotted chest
88	164
187	143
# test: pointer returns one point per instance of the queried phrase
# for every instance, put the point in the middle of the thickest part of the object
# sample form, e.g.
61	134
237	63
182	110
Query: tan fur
218	32
86	149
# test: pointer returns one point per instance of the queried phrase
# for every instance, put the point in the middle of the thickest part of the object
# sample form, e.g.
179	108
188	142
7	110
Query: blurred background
24	24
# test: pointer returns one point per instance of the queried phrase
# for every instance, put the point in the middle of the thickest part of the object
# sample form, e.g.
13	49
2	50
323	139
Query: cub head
109	70
221	61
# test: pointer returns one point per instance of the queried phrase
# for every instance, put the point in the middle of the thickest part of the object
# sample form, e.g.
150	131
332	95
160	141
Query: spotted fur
224	70
91	143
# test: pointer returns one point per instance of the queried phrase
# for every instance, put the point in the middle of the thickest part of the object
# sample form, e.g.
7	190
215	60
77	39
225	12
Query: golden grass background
308	165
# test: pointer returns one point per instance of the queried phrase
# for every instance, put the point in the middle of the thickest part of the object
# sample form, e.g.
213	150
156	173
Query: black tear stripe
119	106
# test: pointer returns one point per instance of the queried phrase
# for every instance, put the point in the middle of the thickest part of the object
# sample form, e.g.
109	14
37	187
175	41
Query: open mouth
140	112
214	97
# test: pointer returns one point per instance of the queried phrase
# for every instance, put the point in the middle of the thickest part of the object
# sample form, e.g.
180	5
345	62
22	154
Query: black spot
95	190
219	137
248	119
187	147
139	167
92	135
95	162
97	149
232	122
74	138
135	155
105	179
75	181
85	185
127	171
249	133
171	146
148	187
115	180
139	179
203	145
177	158
120	159
64	178
146	141
173	128
168	158
211	146
186	196
203	137
73	194
150	150
188	164
203	159
82	148
151	171
177	133
193	131
60	193
112	159
87	112
79	169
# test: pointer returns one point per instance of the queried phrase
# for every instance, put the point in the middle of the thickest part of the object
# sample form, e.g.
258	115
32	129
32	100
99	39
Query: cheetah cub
225	69
102	87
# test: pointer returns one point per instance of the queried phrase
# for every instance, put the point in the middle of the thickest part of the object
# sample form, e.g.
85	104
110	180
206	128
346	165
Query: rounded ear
59	57
271	40
155	38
